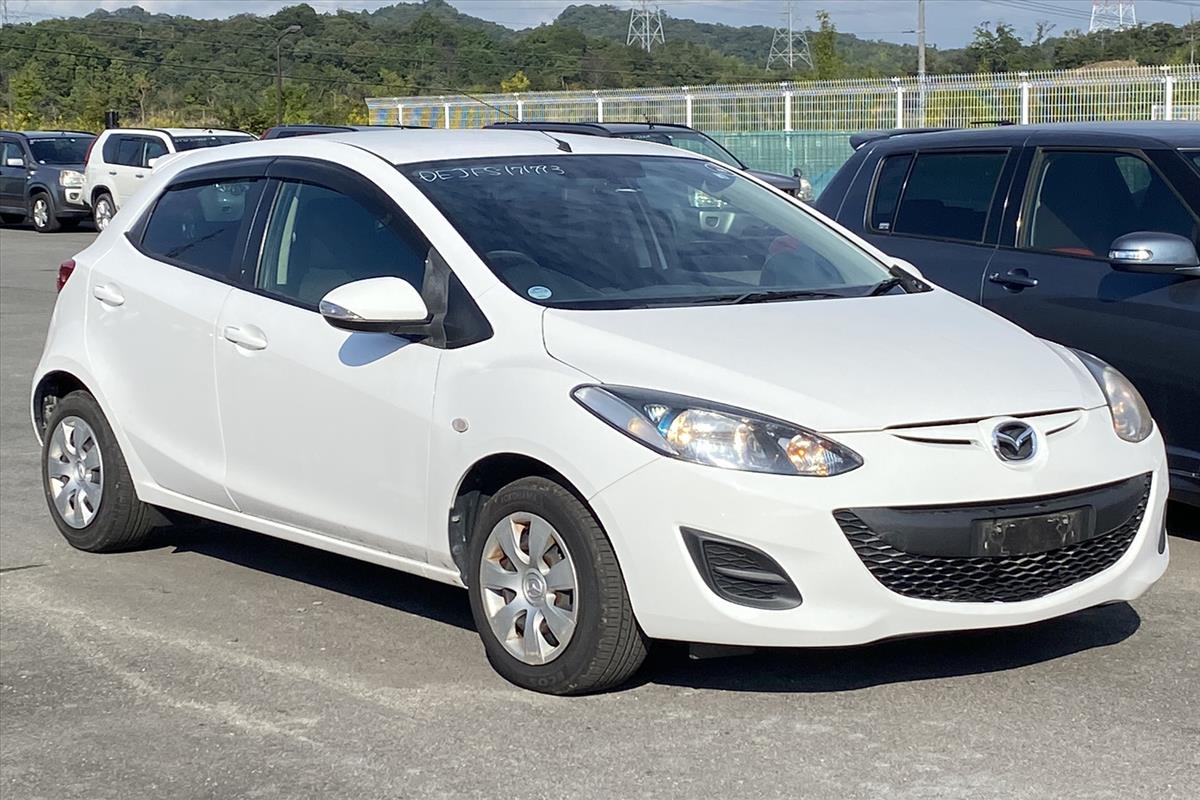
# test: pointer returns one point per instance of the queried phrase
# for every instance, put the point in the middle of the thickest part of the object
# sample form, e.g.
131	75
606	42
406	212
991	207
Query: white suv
121	159
617	390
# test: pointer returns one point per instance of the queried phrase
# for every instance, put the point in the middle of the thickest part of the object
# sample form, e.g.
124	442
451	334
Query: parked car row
617	390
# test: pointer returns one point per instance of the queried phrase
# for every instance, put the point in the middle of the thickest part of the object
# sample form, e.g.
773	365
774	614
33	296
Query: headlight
1130	416
716	435
70	178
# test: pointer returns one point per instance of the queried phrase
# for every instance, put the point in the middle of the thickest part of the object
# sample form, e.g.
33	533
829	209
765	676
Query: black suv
1085	234
41	178
674	135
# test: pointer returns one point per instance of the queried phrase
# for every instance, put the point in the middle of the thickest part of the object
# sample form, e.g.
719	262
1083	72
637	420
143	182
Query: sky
950	23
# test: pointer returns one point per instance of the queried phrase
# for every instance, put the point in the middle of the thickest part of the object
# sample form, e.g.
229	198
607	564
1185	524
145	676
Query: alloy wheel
41	212
75	471
529	588
103	214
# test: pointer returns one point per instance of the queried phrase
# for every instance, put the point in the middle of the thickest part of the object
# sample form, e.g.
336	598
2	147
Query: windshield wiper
886	285
781	294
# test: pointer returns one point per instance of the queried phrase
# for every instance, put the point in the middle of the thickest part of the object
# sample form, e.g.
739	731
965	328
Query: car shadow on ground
296	562
770	670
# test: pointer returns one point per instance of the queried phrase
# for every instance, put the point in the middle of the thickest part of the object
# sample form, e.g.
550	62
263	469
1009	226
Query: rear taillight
64	272
88	153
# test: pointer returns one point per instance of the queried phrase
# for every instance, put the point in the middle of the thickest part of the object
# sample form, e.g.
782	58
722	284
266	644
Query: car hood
832	365
789	183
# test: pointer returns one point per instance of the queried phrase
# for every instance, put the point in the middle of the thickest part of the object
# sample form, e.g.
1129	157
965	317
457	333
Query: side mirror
1155	253
797	172
375	305
15	162
150	162
908	267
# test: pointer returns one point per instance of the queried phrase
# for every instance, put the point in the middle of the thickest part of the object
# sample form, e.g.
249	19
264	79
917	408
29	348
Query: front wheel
547	593
42	213
103	210
87	485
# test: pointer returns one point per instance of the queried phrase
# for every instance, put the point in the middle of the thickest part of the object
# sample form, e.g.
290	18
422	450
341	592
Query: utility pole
789	45
921	59
645	27
279	72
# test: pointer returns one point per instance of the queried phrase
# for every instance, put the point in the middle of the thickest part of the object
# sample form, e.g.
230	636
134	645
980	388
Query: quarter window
948	195
198	226
318	239
887	191
1083	200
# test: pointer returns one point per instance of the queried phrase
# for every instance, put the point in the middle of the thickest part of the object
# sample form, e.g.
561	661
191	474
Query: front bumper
791	520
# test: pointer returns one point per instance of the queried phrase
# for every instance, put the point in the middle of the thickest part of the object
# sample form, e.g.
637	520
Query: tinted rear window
948	195
197	226
887	191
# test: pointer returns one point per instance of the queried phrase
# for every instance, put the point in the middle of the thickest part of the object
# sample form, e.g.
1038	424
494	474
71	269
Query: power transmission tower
645	27
3	13
1112	15
789	45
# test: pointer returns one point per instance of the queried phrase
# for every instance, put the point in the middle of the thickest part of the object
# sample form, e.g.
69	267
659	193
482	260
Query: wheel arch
483	479
51	387
97	191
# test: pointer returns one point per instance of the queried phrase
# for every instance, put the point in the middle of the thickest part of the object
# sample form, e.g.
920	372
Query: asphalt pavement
219	663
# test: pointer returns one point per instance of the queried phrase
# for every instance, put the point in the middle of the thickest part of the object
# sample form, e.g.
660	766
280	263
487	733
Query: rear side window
111	145
318	239
887	191
198	226
1083	200
948	195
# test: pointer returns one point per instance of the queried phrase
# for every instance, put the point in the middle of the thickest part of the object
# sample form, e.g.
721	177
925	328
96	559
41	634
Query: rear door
131	167
1053	278
940	209
153	302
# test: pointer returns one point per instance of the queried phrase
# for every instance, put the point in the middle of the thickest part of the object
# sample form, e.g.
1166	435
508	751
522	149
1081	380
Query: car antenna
559	143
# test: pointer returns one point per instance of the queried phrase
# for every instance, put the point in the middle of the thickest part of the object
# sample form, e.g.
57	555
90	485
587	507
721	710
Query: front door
327	430
1057	283
12	177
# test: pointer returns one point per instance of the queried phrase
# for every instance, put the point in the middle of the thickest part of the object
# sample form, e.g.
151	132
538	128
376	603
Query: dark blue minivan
1085	234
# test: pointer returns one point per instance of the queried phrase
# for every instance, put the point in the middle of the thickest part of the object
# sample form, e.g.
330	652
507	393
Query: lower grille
740	573
1001	579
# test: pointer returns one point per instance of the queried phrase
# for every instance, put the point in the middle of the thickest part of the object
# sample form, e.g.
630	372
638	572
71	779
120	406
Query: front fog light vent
739	573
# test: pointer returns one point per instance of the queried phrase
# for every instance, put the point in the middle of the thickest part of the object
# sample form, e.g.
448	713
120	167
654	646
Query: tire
118	520
103	209
41	213
605	647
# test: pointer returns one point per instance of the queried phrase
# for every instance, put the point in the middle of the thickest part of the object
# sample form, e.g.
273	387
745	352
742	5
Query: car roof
50	134
1161	134
180	131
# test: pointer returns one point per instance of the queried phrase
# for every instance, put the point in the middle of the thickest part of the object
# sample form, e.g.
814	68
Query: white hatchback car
120	161
618	391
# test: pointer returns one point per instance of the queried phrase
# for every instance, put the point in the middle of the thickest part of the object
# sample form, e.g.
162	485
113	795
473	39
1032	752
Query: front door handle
1016	280
246	336
108	294
138	175
112	172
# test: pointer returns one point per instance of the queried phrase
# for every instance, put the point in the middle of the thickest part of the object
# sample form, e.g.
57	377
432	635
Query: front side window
198	226
1194	157
586	231
195	142
887	191
1083	200
129	151
10	149
154	149
318	239
948	195
60	149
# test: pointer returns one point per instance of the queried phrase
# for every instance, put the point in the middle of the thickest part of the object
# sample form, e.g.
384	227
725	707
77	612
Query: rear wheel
102	210
41	212
547	593
86	482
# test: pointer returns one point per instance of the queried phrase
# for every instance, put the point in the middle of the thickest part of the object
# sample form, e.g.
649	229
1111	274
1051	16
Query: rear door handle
138	175
1016	280
108	294
246	336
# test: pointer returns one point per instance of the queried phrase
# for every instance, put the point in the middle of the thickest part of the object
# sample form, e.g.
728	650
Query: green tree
518	82
827	61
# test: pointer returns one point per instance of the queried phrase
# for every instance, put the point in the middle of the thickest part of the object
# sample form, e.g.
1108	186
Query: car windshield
1194	155
609	231
196	142
60	149
688	140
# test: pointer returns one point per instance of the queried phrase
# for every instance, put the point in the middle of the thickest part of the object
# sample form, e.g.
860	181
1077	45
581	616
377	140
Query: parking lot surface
219	663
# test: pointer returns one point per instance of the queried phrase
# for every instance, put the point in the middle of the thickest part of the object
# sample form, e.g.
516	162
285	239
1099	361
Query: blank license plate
1011	536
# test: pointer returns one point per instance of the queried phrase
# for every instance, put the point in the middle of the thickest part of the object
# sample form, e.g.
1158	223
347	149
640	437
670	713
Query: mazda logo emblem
1014	441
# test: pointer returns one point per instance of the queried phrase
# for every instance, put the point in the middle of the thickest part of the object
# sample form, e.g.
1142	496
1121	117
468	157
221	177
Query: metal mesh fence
777	126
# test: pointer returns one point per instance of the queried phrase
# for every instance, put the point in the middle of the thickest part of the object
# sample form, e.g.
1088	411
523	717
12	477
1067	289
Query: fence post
599	106
399	113
445	114
787	109
520	107
1168	94
899	103
1024	98
687	106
